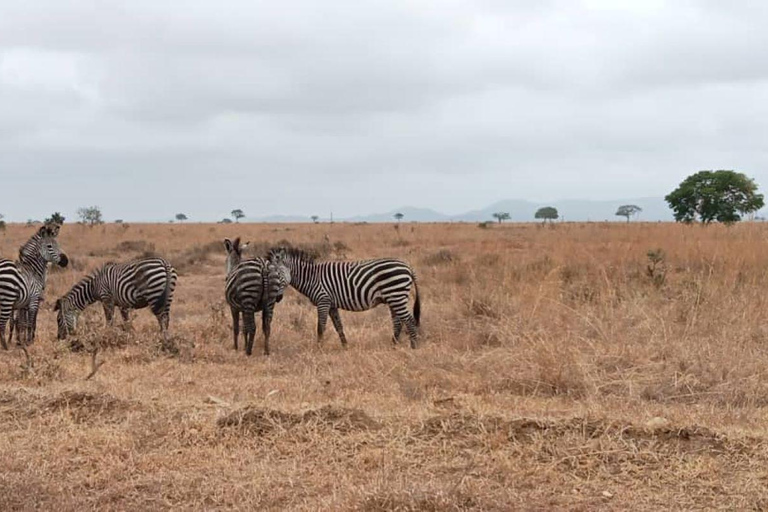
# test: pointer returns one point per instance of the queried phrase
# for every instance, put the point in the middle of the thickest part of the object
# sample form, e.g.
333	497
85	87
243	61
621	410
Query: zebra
353	286
252	285
22	283
146	282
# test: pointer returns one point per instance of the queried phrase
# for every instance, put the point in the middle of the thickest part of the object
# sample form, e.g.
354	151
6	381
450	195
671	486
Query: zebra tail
417	304
162	300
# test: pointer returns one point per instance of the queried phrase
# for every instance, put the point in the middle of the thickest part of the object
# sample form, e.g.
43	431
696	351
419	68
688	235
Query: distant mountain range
576	210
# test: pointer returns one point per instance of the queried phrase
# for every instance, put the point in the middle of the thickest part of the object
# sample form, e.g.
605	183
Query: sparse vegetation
398	217
181	217
547	213
315	219
557	372
628	211
238	214
90	215
56	218
501	216
715	196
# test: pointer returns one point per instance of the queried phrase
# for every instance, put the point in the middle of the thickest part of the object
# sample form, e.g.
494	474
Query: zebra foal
252	285
146	282
353	286
22	283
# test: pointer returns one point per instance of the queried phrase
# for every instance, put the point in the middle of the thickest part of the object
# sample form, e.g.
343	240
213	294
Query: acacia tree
238	214
181	217
315	218
56	218
628	210
721	196
398	217
548	213
90	215
501	216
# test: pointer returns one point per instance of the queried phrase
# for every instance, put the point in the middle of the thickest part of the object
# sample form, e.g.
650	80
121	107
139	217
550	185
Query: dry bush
560	369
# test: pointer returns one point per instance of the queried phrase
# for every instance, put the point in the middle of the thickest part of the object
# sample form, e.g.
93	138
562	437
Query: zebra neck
304	276
83	294
30	260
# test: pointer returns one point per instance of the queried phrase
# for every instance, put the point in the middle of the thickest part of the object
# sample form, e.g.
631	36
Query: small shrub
441	257
135	246
657	268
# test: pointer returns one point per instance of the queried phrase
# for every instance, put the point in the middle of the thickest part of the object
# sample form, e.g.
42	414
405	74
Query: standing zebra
22	283
133	285
353	286
252	285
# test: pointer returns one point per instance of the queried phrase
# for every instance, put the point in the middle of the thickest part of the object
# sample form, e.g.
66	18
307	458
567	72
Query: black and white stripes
22	283
353	286
147	282
252	285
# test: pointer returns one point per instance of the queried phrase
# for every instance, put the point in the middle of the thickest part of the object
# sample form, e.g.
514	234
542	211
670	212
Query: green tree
90	215
628	210
238	214
398	216
315	218
721	196
56	218
548	213
225	220
2	223
501	216
181	217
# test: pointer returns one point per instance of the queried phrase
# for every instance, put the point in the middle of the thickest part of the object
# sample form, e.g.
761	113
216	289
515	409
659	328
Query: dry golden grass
557	371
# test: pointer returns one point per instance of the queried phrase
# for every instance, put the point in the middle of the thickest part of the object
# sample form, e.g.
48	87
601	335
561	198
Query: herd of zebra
252	285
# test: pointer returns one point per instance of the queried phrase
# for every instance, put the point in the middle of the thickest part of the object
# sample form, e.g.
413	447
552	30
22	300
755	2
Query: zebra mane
293	253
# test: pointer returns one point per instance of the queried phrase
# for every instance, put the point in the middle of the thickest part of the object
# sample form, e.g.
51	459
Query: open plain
572	366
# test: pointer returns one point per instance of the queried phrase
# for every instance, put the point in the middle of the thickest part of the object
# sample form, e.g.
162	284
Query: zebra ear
228	244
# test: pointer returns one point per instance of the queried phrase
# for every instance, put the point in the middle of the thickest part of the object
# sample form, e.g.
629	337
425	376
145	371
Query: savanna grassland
561	367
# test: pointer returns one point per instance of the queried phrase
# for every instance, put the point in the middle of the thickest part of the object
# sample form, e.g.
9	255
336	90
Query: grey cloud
360	106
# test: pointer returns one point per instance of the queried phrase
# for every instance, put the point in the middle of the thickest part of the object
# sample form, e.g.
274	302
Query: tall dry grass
561	367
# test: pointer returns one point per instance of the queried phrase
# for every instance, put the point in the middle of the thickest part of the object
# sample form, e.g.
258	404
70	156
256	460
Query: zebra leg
109	311
322	319
397	325
249	324
400	309
11	325
336	319
162	319
266	325
235	325
21	323
32	324
5	314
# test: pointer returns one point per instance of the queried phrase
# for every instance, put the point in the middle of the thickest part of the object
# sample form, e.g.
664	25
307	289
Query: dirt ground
572	367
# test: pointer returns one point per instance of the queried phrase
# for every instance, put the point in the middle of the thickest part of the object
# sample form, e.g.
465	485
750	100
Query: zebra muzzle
63	260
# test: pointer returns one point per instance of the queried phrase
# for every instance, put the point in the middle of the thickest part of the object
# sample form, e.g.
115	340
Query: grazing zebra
132	285
353	286
22	283
252	285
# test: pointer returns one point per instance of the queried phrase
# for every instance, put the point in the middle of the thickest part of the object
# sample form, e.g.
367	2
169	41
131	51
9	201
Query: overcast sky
149	108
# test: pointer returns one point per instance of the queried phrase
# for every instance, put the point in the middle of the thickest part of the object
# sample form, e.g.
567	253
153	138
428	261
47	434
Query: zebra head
48	245
66	317
234	252
282	274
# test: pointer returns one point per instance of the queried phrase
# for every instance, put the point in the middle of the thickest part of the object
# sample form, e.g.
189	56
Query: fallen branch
94	365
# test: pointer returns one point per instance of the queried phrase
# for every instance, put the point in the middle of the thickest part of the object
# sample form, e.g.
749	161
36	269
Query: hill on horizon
520	210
